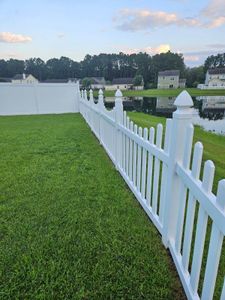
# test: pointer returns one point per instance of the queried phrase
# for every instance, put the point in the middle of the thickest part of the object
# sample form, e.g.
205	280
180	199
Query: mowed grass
70	228
165	92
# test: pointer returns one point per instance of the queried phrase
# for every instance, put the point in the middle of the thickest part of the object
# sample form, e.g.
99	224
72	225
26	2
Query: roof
217	71
169	73
20	76
5	79
98	80
126	80
60	80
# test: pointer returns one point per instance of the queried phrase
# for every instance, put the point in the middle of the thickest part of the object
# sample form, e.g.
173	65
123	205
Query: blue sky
54	28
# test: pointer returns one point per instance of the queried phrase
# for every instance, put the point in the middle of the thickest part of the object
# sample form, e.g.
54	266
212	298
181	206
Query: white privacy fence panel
38	98
156	166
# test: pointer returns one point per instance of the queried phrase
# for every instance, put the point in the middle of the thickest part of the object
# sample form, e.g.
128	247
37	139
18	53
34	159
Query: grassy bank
169	92
66	232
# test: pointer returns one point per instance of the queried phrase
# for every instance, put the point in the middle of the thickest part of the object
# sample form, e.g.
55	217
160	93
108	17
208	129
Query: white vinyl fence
156	167
38	98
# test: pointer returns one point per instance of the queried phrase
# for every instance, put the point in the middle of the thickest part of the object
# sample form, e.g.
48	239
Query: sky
55	28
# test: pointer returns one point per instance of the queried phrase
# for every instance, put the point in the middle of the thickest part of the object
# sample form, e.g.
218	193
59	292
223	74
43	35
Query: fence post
181	119
119	121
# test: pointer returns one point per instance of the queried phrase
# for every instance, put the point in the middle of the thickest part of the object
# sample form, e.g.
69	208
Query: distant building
24	78
215	78
97	82
121	83
170	79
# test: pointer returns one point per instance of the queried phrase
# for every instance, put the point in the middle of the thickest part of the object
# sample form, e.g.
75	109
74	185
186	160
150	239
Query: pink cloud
8	37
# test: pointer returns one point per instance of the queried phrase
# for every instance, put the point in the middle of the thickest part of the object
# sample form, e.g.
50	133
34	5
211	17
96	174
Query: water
209	111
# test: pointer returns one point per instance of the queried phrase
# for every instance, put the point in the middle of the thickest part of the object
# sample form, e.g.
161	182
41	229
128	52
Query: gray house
170	79
121	83
97	82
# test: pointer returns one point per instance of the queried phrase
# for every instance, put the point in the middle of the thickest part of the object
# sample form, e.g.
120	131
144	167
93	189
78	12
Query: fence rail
160	171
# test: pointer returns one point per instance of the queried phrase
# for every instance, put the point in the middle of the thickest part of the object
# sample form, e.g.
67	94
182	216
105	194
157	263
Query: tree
214	61
15	66
167	61
138	80
194	76
86	82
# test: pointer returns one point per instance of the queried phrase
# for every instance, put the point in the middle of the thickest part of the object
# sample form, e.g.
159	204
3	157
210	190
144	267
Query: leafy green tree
215	61
86	82
138	80
15	66
194	76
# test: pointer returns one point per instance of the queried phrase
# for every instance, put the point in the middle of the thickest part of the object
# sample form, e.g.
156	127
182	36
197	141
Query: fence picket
215	246
131	152
157	170
139	162
208	176
150	167
127	148
196	166
134	179
143	176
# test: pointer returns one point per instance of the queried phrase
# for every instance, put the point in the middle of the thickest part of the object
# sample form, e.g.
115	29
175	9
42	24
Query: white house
215	78
170	79
121	83
24	78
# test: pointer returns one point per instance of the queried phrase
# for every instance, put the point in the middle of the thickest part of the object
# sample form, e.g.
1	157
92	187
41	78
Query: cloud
212	16
8	37
214	8
191	58
150	50
136	20
214	12
216	22
217	46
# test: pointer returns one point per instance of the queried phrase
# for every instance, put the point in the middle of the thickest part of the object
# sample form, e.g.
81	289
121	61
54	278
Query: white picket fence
158	172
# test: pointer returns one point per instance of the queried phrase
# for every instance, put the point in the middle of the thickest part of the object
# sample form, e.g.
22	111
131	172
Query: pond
209	111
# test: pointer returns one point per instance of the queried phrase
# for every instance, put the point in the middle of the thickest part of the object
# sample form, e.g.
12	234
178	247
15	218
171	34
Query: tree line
111	66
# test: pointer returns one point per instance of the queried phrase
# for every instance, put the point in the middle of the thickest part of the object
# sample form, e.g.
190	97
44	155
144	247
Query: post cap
118	93
183	100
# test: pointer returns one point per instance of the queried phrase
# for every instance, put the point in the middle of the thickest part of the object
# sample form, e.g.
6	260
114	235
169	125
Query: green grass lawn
169	92
70	228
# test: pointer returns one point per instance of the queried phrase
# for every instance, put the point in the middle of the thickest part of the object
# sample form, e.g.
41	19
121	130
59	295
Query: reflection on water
209	110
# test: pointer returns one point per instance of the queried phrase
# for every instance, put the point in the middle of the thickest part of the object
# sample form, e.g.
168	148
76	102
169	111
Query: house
120	83
170	79
97	82
24	78
215	78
